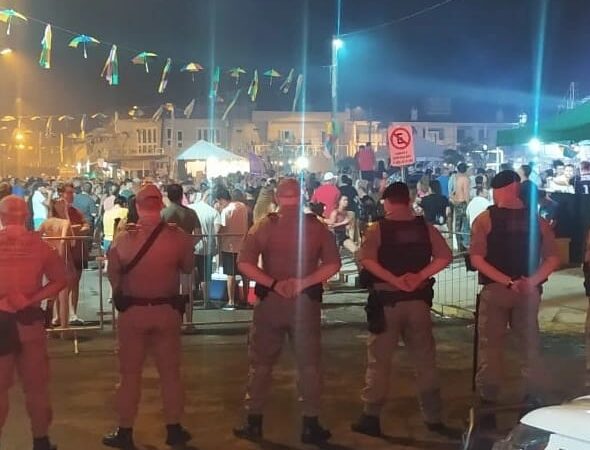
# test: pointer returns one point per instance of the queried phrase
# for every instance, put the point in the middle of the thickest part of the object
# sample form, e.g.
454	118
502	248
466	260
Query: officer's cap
505	178
149	191
397	192
288	187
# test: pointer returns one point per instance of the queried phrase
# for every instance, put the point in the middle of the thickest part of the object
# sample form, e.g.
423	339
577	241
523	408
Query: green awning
571	125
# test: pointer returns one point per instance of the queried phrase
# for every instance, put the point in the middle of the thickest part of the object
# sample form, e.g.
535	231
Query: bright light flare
337	43
535	145
5	51
302	163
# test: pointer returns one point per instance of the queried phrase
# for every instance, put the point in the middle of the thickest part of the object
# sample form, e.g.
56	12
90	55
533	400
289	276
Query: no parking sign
401	145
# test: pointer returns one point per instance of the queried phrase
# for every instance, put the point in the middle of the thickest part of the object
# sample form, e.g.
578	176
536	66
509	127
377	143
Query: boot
368	425
43	444
120	438
313	433
251	430
176	435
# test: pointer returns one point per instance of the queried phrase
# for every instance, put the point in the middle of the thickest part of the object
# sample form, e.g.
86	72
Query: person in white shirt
40	204
234	227
206	247
477	205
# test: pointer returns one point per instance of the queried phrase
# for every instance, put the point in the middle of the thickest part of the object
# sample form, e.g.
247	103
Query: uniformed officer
515	252
144	268
400	254
298	255
24	262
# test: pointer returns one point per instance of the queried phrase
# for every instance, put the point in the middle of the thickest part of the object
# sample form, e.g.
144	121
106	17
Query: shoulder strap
144	248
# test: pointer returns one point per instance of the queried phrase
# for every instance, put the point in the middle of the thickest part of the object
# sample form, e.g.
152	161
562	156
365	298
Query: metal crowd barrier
85	282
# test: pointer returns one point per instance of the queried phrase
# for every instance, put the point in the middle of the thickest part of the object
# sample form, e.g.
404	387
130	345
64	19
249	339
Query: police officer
515	252
298	255
144	268
400	254
24	261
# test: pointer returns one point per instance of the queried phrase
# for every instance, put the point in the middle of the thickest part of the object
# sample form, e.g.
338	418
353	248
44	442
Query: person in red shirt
327	194
365	158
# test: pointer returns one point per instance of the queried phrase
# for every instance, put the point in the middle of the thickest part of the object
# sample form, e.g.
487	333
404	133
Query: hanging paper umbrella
136	112
6	16
286	86
99	116
144	58
110	71
272	74
36	118
164	79
192	68
85	41
62	118
236	72
8	119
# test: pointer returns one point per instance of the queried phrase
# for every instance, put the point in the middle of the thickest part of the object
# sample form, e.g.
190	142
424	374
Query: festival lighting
302	163
5	51
337	43
535	146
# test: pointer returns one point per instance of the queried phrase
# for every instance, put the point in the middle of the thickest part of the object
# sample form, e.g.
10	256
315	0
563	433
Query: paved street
215	369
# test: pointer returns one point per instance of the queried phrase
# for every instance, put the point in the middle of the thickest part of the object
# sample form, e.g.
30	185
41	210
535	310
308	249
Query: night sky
480	52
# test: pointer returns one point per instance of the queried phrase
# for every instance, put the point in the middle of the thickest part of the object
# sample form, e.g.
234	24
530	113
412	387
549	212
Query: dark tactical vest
514	242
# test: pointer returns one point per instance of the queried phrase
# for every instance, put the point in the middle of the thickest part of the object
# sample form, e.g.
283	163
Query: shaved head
13	210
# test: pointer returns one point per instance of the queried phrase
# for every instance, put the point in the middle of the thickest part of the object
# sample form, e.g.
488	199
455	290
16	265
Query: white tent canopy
213	160
204	150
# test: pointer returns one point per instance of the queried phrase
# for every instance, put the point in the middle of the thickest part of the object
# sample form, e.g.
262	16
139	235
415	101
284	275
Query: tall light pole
337	44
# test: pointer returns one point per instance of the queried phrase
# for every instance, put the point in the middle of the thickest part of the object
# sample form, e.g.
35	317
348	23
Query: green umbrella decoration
272	74
144	58
85	41
236	72
6	16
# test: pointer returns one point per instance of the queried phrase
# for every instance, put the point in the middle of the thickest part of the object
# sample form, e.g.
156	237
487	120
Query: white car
564	427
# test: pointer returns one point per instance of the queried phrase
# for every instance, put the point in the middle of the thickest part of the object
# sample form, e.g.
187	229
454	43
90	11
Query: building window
216	136
439	133
144	136
169	133
199	135
179	138
286	136
481	134
461	135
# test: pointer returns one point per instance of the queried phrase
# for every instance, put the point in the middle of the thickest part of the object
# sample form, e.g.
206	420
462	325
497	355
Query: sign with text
401	145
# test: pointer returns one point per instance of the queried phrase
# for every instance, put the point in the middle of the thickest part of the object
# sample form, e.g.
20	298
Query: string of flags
146	59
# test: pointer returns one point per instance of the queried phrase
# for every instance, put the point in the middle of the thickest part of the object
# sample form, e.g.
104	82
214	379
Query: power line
399	19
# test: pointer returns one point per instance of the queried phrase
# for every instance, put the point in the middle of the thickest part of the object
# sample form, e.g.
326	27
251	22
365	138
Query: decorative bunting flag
298	90
116	122
215	82
158	114
45	58
253	89
83	127
85	41
143	59
110	72
192	68
164	79
236	72
232	104
6	16
271	74
286	86
188	111
48	126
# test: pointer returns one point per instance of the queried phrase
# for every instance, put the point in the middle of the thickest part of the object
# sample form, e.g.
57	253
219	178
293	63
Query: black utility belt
124	302
314	292
390	298
30	315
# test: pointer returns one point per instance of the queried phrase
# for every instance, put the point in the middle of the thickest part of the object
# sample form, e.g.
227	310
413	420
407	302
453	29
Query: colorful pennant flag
158	114
232	104
83	127
6	16
48	126
45	58
188	111
286	86
253	89
215	82
165	74
110	72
